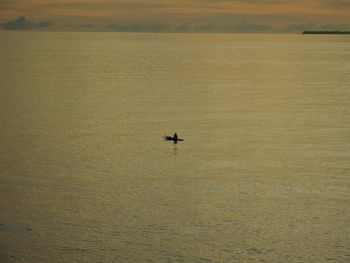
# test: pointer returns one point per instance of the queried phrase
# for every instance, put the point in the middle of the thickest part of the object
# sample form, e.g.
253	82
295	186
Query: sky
175	15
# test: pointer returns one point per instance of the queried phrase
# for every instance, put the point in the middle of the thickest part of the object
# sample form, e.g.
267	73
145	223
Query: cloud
252	27
22	23
210	27
182	28
137	27
175	16
314	27
299	27
240	27
87	26
336	3
332	27
205	27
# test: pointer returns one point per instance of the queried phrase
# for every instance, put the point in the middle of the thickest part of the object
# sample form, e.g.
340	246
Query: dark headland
327	32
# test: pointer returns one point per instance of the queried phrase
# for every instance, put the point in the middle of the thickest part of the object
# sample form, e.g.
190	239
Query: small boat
169	138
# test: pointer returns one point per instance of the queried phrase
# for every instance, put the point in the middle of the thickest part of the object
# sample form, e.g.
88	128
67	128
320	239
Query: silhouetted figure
174	138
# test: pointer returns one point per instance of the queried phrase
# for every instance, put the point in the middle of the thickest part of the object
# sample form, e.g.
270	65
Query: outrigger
173	138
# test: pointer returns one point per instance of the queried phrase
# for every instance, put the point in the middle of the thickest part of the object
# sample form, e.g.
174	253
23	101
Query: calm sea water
262	176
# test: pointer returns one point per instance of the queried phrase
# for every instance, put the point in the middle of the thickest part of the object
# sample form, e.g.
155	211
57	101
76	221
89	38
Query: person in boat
175	136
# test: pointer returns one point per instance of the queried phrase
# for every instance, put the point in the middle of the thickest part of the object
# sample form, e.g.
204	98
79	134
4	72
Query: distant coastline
327	32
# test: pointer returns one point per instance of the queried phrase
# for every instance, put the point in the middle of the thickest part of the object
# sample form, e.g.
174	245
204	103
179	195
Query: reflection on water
175	149
261	176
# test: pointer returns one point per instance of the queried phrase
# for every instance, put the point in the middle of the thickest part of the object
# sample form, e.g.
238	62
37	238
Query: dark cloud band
23	24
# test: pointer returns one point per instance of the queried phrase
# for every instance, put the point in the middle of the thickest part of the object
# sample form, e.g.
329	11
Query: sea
261	176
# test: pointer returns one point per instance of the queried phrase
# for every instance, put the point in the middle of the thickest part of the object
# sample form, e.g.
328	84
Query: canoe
169	138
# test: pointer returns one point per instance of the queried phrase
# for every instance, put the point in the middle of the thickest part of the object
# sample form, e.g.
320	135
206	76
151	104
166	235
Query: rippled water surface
262	176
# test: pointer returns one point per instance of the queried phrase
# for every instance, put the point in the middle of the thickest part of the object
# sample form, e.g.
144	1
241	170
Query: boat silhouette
170	138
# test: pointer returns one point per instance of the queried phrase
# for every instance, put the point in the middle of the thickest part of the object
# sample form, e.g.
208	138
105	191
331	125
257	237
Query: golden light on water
262	174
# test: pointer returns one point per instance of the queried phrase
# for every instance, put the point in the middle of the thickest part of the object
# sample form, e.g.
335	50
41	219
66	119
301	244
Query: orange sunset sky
194	14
